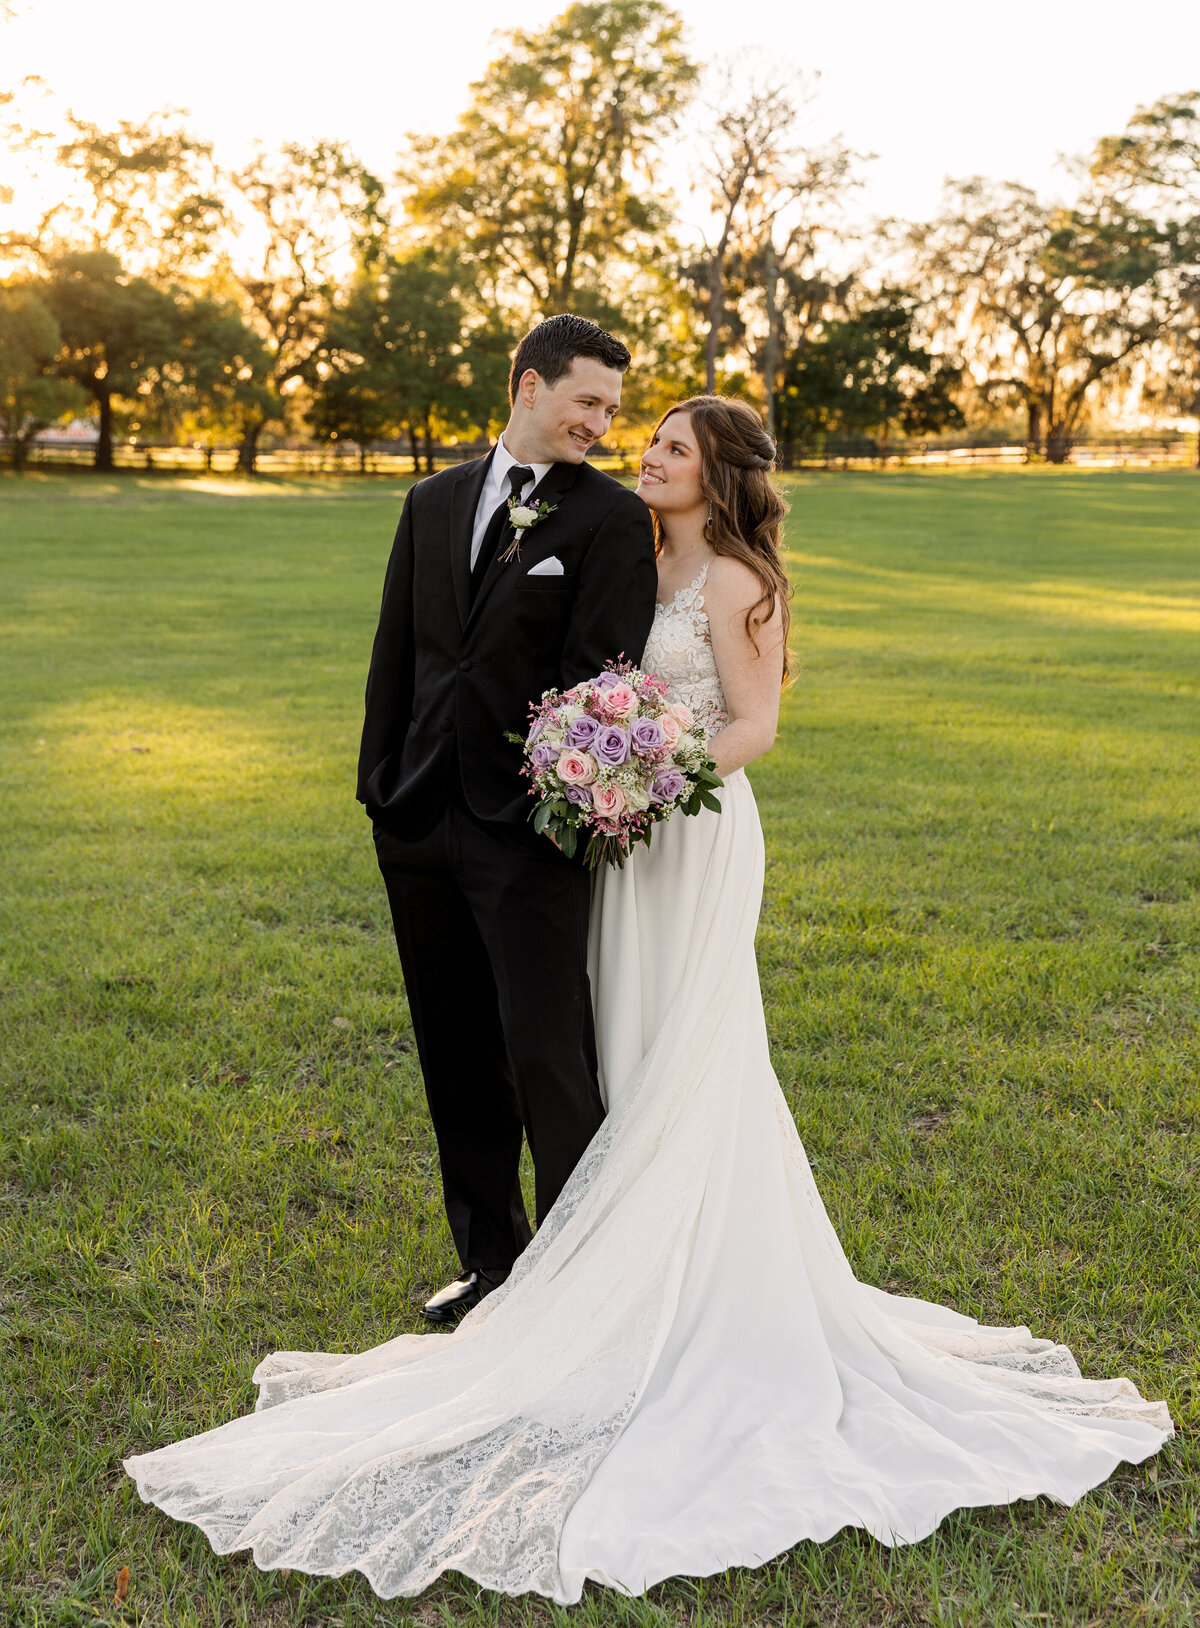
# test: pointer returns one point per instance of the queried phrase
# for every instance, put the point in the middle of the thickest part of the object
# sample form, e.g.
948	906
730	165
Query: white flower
521	516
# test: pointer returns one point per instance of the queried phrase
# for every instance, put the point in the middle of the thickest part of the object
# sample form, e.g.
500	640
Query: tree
313	209
1041	303
404	355
125	340
752	132
147	192
153	191
1154	167
31	395
867	374
217	374
774	198
545	183
117	331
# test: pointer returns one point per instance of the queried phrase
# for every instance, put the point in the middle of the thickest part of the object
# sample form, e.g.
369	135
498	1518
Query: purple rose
607	680
535	729
611	745
580	795
543	755
583	732
669	782
647	736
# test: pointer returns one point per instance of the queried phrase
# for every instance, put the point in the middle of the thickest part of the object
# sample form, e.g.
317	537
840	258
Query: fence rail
1136	451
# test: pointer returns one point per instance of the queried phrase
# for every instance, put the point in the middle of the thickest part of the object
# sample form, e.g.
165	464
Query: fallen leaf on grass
325	1134
341	1023
122	1586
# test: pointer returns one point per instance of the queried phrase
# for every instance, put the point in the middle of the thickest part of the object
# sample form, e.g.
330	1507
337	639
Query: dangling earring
708	522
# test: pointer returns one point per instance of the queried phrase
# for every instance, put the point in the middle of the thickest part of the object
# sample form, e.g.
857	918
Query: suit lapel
464	500
552	489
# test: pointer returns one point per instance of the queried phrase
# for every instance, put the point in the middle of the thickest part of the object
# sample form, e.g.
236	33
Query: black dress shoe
459	1297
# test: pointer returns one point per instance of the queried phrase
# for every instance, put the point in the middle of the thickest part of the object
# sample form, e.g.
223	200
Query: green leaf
568	840
541	817
709	801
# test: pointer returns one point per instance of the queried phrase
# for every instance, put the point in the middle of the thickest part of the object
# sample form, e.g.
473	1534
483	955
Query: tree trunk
104	445
1033	440
716	315
771	346
20	452
362	457
428	447
1058	443
247	457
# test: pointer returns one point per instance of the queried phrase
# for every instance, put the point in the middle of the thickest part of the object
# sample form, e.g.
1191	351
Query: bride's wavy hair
736	459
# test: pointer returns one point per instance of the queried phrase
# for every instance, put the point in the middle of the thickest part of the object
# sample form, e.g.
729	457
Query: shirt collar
504	461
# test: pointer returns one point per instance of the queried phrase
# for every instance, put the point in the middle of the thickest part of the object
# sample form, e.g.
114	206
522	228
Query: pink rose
682	714
620	702
577	768
671	728
608	801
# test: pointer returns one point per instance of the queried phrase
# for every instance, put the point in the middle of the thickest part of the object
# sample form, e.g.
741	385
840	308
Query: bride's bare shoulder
730	583
732	588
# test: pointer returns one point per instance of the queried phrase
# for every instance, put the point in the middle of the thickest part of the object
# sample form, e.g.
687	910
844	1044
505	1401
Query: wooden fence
394	459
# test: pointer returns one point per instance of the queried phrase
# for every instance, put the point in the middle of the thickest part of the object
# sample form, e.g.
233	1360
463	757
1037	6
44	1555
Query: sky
933	89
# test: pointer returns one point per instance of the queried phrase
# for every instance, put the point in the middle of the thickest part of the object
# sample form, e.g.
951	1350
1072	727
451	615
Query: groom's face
567	417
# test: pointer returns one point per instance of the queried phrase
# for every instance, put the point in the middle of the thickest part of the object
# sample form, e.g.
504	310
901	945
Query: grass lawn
979	952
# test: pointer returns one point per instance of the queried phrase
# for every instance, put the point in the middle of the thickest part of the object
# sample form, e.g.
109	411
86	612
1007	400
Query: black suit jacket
449	676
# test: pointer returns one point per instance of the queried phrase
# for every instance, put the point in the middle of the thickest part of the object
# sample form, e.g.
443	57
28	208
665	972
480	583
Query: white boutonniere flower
522	517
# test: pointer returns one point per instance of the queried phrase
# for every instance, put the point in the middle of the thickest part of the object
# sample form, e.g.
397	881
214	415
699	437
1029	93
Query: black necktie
518	476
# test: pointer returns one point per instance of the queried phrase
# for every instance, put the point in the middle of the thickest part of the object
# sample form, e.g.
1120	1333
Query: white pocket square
549	567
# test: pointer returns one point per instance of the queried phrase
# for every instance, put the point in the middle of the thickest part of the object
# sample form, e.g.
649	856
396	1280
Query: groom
491	921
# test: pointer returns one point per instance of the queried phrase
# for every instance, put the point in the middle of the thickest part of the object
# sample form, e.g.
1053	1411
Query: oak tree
547	182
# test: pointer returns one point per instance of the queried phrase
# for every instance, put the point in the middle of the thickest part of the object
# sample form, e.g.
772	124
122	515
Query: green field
979	948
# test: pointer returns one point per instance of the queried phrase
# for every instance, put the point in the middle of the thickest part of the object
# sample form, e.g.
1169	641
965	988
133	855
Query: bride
682	1373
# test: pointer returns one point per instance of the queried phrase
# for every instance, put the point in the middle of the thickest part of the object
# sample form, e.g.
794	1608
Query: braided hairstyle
746	512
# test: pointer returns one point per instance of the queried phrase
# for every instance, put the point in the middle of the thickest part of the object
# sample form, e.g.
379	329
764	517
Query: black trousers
491	924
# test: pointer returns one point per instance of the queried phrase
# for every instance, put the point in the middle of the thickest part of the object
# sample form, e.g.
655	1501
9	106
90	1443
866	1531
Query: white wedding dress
682	1373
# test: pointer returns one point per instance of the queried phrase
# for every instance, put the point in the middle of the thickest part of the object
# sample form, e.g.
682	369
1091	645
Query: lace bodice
679	650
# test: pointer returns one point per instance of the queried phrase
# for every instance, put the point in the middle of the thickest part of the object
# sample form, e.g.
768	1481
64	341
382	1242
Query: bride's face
670	475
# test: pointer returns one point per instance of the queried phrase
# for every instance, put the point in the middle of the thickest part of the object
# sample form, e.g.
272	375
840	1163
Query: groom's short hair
551	348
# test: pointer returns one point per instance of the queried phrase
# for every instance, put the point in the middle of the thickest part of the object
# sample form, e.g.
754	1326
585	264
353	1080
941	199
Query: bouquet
610	757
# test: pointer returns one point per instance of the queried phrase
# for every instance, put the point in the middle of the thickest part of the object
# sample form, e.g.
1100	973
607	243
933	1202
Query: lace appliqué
680	651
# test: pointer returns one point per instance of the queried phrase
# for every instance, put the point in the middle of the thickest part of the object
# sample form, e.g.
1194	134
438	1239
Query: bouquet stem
603	849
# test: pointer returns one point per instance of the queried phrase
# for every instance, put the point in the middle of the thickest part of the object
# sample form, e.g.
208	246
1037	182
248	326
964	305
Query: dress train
682	1373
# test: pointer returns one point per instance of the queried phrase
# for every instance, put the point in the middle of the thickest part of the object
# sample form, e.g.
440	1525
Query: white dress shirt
495	491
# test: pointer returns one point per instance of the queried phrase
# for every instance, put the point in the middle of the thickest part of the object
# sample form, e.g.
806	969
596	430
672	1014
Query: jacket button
447	726
465	666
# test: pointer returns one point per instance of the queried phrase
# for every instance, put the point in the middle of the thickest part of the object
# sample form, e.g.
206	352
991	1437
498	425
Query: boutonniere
522	517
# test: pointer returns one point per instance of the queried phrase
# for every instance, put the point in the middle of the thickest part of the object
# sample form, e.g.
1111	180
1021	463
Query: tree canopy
547	180
302	294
